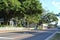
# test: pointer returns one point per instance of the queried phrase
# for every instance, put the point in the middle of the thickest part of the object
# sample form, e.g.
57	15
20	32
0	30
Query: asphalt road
30	35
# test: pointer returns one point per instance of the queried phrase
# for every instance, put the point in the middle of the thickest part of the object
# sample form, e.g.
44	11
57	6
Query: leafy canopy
49	17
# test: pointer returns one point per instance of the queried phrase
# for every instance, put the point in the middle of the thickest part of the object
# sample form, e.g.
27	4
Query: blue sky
51	5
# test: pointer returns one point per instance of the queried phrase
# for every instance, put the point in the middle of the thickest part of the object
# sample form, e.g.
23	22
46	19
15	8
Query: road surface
30	35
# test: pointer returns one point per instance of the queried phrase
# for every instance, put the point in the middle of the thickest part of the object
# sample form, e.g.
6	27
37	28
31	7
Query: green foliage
33	18
32	10
32	7
9	8
9	5
49	17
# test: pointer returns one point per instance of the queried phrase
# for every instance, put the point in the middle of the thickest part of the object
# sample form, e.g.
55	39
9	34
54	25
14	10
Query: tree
32	10
29	9
49	17
32	7
9	8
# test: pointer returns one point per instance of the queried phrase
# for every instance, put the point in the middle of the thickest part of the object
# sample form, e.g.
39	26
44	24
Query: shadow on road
25	32
37	35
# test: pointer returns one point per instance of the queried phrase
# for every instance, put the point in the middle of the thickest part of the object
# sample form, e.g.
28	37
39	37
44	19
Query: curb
48	38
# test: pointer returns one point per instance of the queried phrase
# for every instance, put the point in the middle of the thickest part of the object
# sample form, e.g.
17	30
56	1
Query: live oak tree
31	10
49	17
9	9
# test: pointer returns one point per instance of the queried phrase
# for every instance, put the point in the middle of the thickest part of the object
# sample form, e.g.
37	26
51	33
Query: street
29	35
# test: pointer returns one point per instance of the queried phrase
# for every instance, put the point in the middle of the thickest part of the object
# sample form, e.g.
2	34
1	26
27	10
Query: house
44	26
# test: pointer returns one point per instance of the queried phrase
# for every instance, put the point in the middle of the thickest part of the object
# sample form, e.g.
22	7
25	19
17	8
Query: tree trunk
5	20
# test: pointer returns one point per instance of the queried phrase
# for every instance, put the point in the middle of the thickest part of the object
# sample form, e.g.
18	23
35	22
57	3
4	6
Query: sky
51	5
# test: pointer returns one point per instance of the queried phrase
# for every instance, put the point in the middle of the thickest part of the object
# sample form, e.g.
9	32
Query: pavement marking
6	38
48	38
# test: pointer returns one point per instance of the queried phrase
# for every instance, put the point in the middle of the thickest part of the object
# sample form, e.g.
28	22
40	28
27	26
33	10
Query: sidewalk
14	29
20	29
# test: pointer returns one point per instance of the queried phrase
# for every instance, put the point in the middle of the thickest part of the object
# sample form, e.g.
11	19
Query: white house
44	26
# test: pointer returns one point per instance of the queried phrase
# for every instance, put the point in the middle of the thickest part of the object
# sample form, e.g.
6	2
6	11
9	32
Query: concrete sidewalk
20	29
14	29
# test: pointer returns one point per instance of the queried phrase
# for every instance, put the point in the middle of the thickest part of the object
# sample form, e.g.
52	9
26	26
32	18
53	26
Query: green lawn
56	37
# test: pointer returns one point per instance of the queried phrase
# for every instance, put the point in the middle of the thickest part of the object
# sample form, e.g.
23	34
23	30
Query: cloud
56	4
